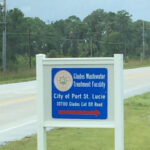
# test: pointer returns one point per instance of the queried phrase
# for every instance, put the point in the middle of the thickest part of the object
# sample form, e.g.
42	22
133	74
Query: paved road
136	81
18	103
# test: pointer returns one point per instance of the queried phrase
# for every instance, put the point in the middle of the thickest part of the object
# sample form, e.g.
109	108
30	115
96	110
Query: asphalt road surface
18	103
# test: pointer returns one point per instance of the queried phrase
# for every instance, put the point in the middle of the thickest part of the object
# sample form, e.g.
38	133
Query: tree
15	40
123	24
96	23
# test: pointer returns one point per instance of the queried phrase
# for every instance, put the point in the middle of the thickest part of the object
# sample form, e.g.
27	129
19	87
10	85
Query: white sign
80	92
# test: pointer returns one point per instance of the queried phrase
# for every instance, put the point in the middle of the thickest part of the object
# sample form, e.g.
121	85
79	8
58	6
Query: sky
52	10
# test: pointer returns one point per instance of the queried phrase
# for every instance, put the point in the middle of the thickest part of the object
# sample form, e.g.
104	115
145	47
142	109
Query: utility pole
125	50
29	40
91	43
143	54
3	3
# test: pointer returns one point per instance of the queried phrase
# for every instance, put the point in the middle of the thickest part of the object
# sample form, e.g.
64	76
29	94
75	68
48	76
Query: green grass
137	132
17	76
136	63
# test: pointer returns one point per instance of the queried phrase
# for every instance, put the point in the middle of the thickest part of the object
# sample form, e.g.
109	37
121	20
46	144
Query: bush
52	54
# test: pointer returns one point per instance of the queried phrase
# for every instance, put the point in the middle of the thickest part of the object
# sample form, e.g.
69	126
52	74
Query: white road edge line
18	126
137	89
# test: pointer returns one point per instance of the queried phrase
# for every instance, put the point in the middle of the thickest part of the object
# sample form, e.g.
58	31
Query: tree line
99	34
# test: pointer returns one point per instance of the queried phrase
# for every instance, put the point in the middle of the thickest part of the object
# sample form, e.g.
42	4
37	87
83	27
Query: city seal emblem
63	80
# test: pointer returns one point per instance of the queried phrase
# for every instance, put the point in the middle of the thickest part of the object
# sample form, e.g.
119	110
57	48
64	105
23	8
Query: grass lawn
136	63
137	132
17	76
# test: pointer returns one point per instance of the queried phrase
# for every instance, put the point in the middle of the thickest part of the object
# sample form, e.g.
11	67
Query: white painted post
41	135
119	103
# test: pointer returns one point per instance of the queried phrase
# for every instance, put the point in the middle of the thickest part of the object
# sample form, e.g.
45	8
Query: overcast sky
52	10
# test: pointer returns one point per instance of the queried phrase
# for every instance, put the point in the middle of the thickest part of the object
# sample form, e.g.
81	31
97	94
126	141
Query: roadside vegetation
137	129
17	76
19	71
136	63
20	74
99	34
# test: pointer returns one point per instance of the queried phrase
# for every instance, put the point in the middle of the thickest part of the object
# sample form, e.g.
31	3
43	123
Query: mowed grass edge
17	76
137	129
136	63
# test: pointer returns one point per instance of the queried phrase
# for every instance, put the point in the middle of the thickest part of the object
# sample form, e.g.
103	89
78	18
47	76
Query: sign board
80	92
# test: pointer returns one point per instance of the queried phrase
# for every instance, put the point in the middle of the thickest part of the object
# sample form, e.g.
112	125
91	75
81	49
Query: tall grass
17	76
20	71
136	63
